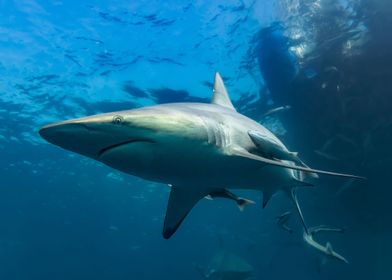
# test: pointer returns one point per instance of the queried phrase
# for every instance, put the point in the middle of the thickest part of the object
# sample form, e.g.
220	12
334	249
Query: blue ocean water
63	216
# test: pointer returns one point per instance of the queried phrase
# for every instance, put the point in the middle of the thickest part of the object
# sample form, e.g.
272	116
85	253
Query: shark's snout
57	132
78	137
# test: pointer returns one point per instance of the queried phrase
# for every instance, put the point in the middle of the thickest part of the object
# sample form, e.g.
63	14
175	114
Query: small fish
331	69
277	110
113	228
325	155
282	221
347	185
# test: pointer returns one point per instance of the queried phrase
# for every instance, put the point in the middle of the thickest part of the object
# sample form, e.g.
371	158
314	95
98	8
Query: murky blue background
63	216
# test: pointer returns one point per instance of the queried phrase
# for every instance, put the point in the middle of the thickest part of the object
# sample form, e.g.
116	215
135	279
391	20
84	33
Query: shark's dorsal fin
220	96
181	201
328	246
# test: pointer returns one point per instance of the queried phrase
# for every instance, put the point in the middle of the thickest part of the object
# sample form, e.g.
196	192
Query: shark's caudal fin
243	153
220	96
181	201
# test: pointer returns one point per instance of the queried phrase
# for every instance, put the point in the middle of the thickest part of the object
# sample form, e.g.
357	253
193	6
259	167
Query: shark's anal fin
245	154
181	201
220	96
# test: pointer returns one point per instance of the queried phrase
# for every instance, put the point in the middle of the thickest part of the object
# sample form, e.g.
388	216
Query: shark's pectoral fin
238	151
181	201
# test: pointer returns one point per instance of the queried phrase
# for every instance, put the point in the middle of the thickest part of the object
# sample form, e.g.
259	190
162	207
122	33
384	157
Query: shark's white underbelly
194	165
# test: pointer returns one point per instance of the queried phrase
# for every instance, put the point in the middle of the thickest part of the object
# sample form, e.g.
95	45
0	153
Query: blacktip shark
199	149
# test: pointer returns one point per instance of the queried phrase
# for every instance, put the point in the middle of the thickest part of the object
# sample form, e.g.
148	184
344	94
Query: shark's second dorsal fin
220	96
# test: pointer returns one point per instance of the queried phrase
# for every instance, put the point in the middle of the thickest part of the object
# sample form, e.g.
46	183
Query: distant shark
326	250
226	266
198	149
309	234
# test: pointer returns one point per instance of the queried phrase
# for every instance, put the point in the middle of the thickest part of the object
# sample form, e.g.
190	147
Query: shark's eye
118	119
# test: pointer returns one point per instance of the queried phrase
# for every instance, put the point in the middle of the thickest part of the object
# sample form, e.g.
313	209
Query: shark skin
199	149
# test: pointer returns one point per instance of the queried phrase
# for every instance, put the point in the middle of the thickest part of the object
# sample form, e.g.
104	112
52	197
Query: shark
310	232
327	250
308	236
226	266
198	149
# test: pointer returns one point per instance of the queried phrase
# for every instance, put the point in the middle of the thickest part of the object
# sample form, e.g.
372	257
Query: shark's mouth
108	148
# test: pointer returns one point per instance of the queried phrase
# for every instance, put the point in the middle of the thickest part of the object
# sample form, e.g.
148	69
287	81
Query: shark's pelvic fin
220	95
181	201
243	153
225	193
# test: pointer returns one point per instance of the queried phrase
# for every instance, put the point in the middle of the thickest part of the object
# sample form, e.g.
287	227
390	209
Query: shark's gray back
223	119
